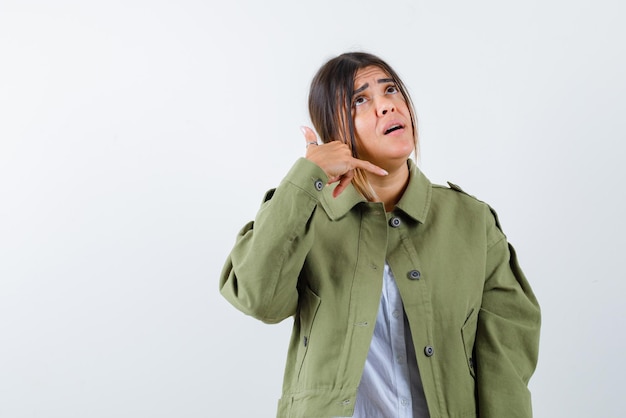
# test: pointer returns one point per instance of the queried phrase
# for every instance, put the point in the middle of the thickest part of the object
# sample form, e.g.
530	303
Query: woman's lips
392	128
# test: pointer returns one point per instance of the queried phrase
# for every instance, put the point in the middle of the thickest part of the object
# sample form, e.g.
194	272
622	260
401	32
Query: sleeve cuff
307	176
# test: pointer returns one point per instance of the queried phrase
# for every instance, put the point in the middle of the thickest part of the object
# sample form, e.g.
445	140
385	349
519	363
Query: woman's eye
359	101
392	89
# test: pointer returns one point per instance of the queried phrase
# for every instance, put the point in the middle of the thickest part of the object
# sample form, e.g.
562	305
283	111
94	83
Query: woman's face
382	120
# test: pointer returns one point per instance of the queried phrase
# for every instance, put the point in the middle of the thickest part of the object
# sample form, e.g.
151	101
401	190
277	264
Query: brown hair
330	104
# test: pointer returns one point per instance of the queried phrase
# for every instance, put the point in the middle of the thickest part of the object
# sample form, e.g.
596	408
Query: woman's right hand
336	159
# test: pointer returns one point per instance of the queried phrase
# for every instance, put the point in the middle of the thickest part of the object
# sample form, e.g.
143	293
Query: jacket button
429	351
395	222
414	275
319	185
305	341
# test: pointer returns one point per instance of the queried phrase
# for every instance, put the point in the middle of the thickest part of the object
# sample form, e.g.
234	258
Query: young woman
407	299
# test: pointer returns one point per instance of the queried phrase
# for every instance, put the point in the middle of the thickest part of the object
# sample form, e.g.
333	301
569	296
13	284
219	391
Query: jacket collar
415	202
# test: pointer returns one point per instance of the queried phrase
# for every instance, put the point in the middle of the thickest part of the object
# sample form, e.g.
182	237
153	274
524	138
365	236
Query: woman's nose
385	106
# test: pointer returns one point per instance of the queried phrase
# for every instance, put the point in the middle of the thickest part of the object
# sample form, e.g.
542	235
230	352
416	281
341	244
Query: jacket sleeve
261	273
507	337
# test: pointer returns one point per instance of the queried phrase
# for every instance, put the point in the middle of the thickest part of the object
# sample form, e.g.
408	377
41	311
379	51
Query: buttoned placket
411	380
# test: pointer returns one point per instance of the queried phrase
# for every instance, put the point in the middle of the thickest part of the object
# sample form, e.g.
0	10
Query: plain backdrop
137	137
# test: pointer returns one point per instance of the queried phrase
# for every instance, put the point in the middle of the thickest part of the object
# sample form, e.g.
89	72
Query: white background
137	137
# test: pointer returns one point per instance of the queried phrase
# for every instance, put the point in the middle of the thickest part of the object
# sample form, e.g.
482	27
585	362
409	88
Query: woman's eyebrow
362	88
366	85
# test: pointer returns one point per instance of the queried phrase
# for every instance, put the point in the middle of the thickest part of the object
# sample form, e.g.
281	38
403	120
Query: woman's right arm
261	273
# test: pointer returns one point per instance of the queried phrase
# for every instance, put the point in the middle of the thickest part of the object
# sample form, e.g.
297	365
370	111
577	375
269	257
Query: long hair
330	105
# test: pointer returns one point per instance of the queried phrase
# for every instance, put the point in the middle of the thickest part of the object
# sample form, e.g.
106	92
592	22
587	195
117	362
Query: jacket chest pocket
307	310
468	333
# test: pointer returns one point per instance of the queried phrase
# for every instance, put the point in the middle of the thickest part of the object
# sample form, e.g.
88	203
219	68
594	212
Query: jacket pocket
307	310
468	333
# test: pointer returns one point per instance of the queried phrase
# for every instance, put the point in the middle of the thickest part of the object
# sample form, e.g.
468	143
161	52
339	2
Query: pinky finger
366	165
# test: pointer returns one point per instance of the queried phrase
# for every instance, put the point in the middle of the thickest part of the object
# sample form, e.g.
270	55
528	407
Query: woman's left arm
507	337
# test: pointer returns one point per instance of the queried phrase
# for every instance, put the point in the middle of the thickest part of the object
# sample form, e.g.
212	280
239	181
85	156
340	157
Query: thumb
309	135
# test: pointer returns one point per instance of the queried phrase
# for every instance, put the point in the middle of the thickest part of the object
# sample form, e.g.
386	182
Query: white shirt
391	385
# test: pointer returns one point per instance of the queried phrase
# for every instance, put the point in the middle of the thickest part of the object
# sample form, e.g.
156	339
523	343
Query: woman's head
334	106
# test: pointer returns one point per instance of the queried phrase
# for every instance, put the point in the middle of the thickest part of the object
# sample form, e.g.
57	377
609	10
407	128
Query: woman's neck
390	188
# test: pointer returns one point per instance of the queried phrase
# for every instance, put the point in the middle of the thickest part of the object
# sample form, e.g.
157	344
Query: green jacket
474	319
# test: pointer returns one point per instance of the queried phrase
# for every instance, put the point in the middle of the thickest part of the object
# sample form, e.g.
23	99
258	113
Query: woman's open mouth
392	128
